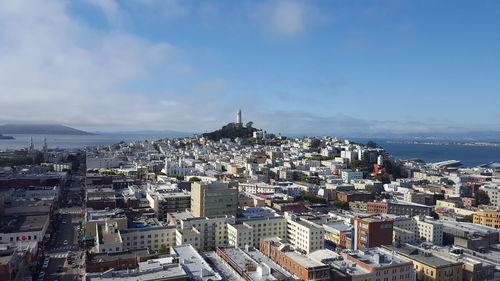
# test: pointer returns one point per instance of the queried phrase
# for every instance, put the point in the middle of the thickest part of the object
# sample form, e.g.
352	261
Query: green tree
468	218
15	161
482	197
361	165
193	179
385	178
179	177
314	199
341	204
434	215
315	143
163	250
371	144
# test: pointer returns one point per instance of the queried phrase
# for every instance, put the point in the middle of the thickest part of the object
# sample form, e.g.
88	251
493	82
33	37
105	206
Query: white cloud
55	69
285	17
110	9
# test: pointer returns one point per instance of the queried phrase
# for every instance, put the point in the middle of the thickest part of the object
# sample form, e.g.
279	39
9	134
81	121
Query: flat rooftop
161	272
110	238
419	255
245	263
302	259
194	264
340	226
105	257
14	224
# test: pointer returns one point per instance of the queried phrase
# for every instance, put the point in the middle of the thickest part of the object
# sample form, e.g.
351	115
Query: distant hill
37	129
231	131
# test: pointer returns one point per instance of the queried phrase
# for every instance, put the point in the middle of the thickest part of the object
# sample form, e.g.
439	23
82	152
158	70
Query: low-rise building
293	261
101	262
489	218
375	264
14	229
428	266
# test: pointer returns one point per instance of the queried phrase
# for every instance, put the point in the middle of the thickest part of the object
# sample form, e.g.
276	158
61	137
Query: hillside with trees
232	131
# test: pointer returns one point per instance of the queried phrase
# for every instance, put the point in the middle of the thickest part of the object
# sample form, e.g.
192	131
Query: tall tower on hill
238	117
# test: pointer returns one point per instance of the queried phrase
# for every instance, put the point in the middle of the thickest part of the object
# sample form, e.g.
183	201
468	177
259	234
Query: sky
342	67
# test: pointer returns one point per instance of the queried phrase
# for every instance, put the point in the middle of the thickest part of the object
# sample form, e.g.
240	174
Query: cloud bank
57	68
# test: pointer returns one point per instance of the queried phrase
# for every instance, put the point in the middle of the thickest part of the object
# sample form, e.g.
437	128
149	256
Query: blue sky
319	67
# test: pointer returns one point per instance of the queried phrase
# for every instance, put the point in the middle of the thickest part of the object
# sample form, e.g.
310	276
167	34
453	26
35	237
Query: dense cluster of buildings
29	202
289	209
275	209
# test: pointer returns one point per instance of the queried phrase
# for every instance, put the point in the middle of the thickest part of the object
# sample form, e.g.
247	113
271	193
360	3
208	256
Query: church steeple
31	146
45	149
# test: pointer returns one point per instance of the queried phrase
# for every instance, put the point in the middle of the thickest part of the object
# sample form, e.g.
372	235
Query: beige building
249	232
428	266
304	235
149	237
488	218
214	199
204	233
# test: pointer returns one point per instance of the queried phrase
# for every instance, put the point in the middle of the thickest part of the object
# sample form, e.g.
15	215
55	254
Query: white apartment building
431	230
493	192
304	235
257	188
348	176
37	192
102	162
249	232
424	228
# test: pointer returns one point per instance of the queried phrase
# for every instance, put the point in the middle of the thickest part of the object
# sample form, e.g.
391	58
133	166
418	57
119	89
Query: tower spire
45	148
238	117
31	146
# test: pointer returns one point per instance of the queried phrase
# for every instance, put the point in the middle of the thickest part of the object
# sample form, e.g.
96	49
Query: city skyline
294	67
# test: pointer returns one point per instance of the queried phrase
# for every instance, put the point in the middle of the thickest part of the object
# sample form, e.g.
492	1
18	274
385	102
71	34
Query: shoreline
487	144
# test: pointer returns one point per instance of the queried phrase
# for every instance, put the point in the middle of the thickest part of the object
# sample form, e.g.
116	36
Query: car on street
65	242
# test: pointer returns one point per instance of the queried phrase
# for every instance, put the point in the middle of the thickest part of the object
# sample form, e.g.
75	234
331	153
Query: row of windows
20	238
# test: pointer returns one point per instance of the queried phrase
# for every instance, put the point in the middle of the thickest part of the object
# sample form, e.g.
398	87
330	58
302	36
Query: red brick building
371	232
377	207
351	196
121	260
295	263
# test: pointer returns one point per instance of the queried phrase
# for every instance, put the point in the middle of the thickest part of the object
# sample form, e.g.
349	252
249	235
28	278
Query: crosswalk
66	248
59	256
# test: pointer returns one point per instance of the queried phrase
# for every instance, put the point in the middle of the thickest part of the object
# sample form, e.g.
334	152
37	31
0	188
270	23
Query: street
65	263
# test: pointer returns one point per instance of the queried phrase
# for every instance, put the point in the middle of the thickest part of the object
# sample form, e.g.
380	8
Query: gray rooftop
420	256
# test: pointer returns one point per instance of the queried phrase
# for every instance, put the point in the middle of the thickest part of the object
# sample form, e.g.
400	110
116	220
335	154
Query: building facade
214	199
